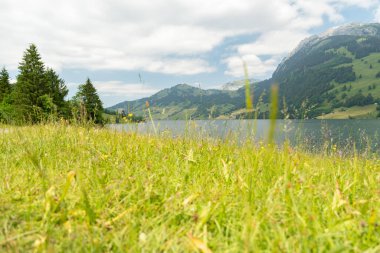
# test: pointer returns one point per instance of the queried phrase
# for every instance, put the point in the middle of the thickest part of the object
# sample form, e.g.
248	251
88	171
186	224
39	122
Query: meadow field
66	188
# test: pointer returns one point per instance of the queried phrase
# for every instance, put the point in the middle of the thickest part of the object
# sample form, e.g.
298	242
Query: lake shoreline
314	133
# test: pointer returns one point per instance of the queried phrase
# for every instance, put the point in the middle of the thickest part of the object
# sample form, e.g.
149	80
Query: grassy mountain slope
355	112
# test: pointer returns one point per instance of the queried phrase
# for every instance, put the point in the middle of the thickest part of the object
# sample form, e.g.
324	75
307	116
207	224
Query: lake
314	135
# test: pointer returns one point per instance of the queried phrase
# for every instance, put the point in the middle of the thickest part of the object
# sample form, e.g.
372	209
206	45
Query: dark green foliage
378	75
89	104
110	112
5	86
30	88
365	47
329	96
32	81
360	100
6	110
336	103
39	92
57	92
344	75
312	84
319	111
38	95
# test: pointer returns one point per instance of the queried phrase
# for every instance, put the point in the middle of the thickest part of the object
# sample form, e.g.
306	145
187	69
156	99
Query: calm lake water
314	135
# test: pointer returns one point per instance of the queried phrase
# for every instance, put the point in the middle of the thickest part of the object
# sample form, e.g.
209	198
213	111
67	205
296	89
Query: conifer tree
57	91
31	84
88	97
5	86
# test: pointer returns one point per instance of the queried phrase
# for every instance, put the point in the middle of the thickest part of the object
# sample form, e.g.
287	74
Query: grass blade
248	95
273	112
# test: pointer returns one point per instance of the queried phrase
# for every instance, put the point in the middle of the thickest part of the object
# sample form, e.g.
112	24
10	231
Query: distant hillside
235	85
325	74
184	101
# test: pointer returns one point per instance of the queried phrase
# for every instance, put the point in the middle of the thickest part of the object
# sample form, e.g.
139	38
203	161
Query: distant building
121	112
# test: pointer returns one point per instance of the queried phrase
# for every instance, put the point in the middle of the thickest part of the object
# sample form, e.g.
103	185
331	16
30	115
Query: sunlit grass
66	188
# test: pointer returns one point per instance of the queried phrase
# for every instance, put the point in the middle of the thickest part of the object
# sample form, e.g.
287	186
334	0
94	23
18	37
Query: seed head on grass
199	244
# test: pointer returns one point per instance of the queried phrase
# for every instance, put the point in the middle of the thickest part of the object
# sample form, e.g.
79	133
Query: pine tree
5	86
31	85
57	91
88	97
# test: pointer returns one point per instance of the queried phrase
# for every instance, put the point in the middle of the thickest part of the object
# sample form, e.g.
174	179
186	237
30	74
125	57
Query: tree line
38	95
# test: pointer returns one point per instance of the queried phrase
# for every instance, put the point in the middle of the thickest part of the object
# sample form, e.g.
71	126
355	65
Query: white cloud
112	88
273	43
256	67
163	36
377	15
113	35
113	92
359	3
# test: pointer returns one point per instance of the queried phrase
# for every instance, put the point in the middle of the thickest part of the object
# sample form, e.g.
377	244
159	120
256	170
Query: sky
132	49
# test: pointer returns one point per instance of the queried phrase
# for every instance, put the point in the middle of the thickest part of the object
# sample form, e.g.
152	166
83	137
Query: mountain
336	70
331	74
184	101
235	85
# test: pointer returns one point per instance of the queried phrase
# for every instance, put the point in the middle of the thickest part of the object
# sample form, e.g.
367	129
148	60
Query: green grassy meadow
356	112
80	189
365	70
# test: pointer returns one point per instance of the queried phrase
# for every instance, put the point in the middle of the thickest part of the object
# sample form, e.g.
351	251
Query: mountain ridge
314	76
